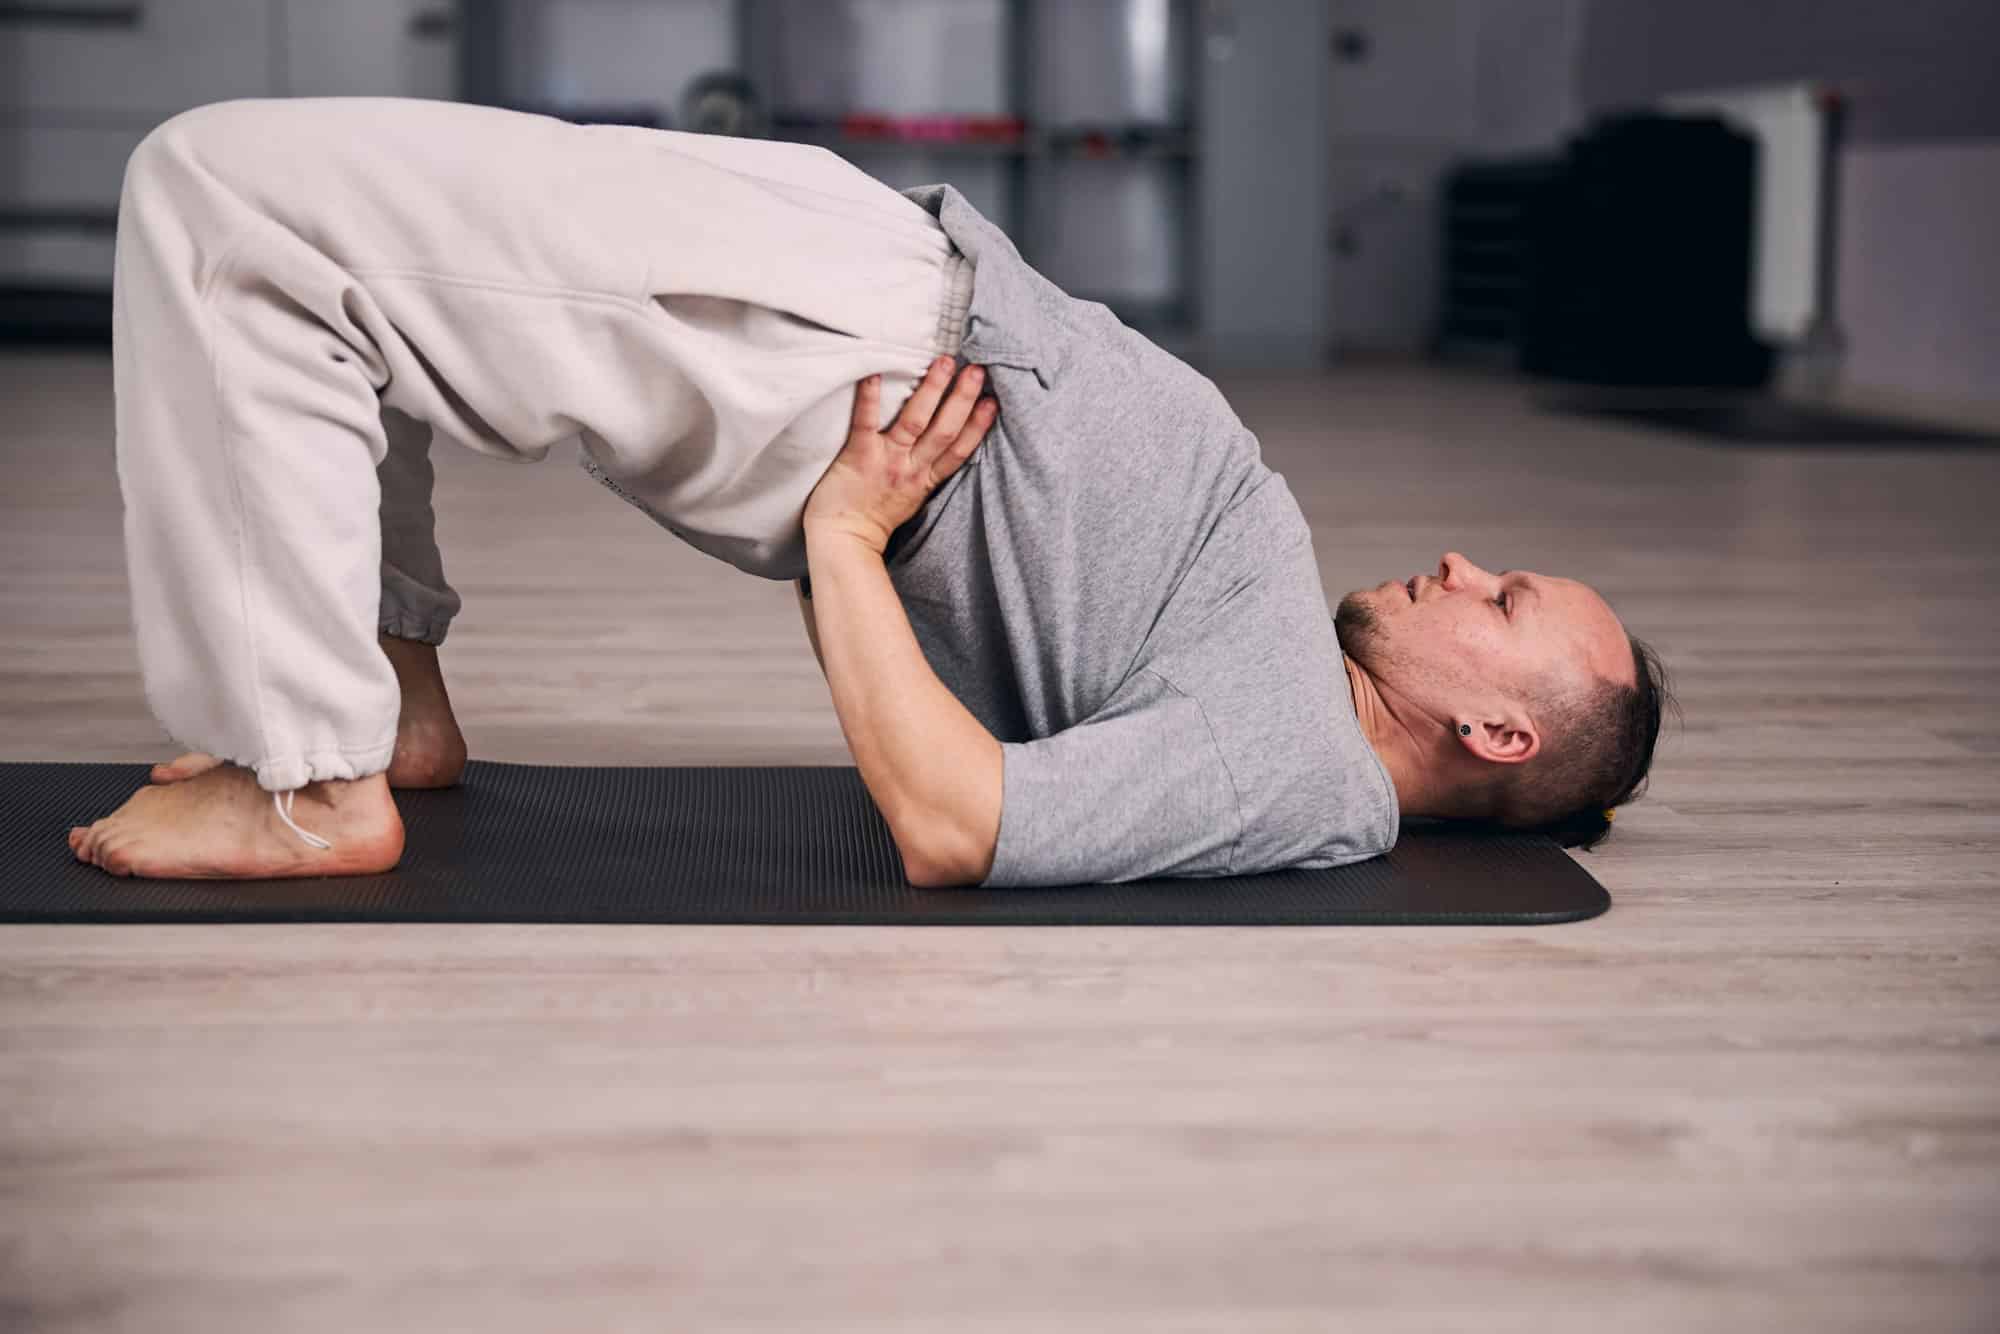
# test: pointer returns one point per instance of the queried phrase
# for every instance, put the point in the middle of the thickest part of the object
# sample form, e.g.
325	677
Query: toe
183	767
113	856
76	834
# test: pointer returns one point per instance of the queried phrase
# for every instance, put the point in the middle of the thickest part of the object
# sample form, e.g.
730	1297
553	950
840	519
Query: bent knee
199	135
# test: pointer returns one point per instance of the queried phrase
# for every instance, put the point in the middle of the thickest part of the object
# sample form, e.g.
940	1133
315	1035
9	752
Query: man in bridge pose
1073	628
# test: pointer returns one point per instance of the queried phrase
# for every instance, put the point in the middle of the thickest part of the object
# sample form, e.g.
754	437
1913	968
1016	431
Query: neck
1405	740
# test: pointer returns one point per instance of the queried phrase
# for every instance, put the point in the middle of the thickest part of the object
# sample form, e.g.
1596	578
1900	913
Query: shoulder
1266	670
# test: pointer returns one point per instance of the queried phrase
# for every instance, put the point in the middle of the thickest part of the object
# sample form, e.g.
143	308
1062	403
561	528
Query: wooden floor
1763	1093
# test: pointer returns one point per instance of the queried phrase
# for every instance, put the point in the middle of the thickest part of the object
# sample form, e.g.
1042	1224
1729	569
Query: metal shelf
1035	150
1026	184
1113	143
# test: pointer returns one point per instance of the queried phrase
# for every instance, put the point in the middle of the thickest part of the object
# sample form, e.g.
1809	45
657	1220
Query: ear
1509	737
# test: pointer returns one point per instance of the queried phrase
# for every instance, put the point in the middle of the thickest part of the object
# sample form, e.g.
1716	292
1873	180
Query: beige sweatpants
307	290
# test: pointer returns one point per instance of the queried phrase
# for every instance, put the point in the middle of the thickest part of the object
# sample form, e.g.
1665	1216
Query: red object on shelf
995	129
861	125
933	129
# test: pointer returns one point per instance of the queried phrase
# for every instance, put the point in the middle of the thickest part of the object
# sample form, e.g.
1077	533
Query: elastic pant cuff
403	625
295	771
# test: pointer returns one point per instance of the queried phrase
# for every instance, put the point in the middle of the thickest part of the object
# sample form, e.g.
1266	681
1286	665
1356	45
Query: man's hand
880	478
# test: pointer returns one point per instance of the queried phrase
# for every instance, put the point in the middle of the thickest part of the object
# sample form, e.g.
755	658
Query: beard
1357	627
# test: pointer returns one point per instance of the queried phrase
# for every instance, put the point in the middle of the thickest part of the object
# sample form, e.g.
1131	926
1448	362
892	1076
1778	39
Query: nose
1456	571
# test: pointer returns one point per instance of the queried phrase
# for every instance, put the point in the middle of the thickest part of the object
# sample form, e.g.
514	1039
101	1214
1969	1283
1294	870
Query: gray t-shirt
1126	597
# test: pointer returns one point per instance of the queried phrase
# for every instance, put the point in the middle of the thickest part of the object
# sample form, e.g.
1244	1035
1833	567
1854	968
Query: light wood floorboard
1762	1093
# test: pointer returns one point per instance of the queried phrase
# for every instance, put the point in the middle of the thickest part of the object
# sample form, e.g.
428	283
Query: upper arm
1139	789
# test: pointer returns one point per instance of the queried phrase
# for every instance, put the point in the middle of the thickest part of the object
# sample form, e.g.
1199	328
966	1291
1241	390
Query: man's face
1468	640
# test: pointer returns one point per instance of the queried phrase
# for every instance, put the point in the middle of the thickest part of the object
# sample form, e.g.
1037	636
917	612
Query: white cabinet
67	168
81	83
133	61
58	190
1412	86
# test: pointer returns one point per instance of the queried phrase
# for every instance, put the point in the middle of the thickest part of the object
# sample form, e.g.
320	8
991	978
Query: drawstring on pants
283	801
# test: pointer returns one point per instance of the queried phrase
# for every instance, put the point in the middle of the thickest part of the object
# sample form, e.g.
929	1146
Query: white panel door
1402	71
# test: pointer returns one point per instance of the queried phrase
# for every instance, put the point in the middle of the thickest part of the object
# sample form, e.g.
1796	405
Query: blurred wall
1918	251
1919	70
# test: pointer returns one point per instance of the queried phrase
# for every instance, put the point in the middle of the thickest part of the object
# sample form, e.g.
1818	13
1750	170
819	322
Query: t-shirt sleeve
1138	789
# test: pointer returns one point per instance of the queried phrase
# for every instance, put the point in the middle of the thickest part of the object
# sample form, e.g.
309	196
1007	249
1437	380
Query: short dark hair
1598	747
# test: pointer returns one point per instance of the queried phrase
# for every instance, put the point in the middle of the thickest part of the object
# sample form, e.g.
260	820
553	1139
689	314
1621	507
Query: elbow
954	842
934	859
928	869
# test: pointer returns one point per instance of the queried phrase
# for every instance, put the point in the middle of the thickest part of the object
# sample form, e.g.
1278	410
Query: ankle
418	674
408	653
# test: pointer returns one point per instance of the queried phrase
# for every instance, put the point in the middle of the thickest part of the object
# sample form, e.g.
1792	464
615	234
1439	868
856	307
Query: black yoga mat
536	843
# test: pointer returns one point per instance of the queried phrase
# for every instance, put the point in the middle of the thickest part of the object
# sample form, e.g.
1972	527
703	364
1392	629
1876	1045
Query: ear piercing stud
1465	729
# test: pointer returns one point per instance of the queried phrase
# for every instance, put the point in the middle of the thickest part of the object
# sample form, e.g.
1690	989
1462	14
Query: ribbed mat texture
802	846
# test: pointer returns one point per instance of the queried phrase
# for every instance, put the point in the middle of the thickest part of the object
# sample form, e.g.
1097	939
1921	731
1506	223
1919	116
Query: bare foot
430	749
219	825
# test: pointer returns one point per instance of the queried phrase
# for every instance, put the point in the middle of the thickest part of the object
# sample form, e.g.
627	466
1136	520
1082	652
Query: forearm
932	768
811	623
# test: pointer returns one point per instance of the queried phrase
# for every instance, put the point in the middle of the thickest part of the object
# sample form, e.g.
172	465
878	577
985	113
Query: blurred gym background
1407	238
1799	193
